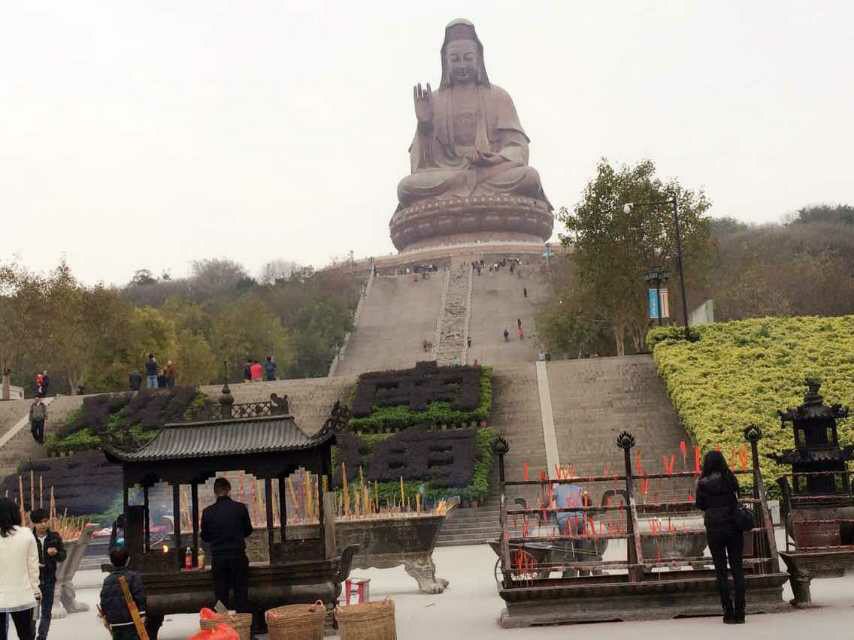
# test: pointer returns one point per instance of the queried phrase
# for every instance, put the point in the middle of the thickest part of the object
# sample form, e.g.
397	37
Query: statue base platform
444	222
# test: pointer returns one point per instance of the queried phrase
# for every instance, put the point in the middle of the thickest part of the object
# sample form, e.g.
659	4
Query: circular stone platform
433	223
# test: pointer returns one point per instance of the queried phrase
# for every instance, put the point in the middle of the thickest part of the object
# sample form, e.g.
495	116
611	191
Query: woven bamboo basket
240	622
367	621
296	622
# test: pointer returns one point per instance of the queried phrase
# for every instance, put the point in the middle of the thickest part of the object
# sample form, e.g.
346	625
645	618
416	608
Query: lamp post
656	277
674	204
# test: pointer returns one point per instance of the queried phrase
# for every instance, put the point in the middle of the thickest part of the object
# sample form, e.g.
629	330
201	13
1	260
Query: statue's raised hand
423	104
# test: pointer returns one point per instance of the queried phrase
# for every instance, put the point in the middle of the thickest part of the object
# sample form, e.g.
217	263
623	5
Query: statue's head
462	56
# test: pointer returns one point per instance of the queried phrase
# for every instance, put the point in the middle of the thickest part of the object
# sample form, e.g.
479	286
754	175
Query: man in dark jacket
135	380
270	369
225	527
51	552
38	415
113	605
151	371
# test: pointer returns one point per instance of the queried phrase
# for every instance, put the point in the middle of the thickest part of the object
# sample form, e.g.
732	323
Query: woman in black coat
717	497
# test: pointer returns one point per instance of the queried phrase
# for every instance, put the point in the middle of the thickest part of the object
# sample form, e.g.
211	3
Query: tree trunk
620	338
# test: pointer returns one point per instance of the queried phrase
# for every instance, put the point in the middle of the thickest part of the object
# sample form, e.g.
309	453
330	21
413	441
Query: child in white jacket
19	579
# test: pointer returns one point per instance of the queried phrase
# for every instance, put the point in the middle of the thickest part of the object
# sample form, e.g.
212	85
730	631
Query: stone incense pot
384	543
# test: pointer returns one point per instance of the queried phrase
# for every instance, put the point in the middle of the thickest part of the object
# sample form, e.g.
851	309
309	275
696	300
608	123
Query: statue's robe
465	119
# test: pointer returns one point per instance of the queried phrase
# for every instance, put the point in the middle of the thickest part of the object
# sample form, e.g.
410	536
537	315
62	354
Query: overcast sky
149	134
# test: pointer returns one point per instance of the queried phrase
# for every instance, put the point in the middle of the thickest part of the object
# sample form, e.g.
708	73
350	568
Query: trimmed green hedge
389	419
127	420
741	373
478	489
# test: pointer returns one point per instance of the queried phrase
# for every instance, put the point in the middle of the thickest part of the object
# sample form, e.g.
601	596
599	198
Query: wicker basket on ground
240	622
367	621
296	622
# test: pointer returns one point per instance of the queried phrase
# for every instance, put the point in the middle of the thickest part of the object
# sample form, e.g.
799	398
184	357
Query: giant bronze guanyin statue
470	177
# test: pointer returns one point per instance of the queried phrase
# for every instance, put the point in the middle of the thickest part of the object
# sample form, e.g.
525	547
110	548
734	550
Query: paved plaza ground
469	609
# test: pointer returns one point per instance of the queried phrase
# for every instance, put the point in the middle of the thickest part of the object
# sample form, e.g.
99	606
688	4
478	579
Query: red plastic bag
220	632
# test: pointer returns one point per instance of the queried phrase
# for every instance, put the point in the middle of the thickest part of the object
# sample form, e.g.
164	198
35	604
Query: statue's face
462	61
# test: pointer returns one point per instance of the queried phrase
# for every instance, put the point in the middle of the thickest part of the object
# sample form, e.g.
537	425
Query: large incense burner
385	541
818	504
664	573
266	444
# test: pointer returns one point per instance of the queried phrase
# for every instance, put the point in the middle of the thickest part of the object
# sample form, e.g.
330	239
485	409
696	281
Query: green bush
742	373
124	420
478	489
385	419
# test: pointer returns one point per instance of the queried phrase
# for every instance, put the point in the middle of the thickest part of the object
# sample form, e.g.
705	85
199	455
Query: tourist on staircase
38	416
717	497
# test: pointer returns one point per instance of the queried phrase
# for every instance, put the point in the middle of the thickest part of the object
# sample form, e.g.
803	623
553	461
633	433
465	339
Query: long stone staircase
397	316
592	401
595	399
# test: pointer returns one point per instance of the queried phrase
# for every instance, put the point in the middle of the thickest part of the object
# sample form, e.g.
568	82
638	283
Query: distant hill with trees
93	337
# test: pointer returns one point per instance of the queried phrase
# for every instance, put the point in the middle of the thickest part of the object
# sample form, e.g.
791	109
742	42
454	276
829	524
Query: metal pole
658	298
679	265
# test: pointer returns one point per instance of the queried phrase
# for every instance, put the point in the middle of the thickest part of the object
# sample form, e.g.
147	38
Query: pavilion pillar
146	519
176	521
268	503
283	510
194	490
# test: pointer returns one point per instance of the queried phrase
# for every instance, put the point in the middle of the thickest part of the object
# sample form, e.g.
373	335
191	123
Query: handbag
744	519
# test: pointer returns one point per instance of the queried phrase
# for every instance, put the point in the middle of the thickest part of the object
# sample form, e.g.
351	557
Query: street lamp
673	202
656	277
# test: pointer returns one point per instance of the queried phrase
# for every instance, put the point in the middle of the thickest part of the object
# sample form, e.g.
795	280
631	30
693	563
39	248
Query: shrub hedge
467	476
417	387
122	419
385	419
741	373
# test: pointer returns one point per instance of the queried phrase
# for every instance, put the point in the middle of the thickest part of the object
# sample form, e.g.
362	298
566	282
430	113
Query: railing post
500	447
634	555
760	508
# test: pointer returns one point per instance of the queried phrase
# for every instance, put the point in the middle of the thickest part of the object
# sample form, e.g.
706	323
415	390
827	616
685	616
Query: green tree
248	329
614	246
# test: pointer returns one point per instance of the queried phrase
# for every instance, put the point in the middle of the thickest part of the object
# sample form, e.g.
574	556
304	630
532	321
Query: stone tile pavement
470	607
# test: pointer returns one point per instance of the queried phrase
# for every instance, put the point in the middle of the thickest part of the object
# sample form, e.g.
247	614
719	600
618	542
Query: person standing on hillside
51	552
256	371
270	369
225	527
170	373
151	372
45	383
135	380
38	416
38	385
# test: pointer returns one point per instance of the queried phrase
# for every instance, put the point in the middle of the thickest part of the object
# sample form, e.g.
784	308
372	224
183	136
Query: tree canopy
614	245
94	337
